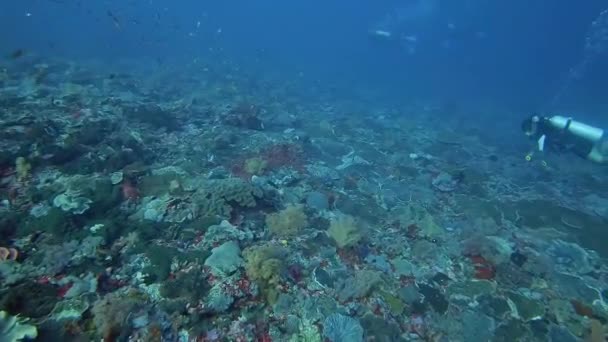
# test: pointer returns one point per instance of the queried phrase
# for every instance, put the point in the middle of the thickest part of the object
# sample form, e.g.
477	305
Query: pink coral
129	191
281	155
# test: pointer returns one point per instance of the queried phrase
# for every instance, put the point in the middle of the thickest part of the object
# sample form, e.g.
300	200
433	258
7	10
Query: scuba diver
561	134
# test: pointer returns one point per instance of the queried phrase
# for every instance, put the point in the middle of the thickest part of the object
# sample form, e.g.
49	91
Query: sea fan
340	328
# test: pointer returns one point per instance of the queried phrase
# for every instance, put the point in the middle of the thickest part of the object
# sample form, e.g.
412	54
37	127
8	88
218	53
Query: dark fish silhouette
114	19
17	54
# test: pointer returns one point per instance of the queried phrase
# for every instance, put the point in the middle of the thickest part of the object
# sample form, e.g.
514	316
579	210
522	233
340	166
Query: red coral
349	256
412	231
582	309
244	285
275	156
265	337
418	325
129	191
107	284
295	272
45	279
281	155
238	169
211	279
378	310
6	171
483	268
485	272
406	280
63	290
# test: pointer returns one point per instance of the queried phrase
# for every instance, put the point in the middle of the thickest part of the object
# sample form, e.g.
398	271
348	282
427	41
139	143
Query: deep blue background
528	48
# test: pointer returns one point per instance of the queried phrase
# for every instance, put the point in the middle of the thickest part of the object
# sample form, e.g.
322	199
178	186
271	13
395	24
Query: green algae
395	304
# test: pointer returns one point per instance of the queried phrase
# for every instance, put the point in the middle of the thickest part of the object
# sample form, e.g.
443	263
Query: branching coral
344	230
287	222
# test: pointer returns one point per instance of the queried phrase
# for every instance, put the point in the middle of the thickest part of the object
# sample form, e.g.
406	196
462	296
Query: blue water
514	53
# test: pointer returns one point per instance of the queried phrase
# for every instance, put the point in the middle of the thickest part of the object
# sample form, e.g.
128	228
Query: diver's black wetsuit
562	140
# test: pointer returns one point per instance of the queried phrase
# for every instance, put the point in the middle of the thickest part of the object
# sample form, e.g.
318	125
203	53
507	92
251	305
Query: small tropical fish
382	33
410	38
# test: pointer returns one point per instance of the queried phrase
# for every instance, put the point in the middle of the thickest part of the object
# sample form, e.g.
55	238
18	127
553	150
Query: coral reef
238	205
